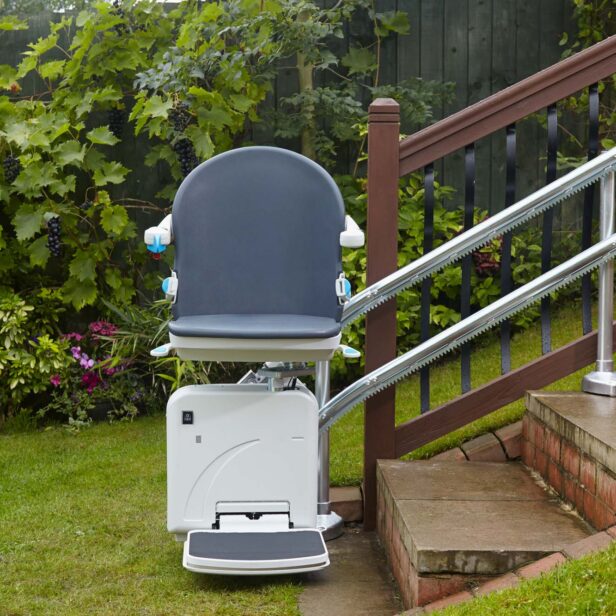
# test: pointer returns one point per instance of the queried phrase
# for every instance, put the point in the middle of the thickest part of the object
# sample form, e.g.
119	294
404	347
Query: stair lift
257	278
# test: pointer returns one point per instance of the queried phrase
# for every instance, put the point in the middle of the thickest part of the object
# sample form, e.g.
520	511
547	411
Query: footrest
255	553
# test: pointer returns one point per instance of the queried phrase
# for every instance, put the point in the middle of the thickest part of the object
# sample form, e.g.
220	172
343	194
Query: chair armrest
352	236
159	237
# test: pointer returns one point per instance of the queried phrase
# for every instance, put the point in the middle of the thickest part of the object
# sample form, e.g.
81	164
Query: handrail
479	235
461	332
509	105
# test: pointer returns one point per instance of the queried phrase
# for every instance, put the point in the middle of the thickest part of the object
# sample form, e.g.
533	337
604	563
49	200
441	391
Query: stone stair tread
451	480
479	518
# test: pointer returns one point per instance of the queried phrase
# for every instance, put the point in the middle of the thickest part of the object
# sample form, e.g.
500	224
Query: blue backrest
257	232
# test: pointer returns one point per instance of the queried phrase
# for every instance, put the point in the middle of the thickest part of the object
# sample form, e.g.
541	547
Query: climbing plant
189	79
594	21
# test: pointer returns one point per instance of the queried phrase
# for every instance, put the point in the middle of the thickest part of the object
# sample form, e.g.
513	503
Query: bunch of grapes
12	168
121	13
53	236
180	118
86	205
186	155
115	121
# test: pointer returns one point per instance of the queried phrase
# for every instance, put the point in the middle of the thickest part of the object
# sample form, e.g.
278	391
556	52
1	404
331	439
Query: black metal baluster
505	271
548	223
424	377
467	262
593	150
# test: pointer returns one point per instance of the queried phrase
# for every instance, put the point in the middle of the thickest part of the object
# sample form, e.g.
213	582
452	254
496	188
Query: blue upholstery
257	247
255	326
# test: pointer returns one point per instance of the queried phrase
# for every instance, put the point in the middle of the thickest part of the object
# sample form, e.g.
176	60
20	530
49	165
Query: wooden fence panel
480	45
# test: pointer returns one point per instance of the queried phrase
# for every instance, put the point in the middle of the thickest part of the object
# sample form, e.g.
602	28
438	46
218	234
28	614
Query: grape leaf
16	132
70	152
110	173
102	136
27	221
51	70
8	76
113	219
156	107
83	266
202	142
39	253
79	293
12	23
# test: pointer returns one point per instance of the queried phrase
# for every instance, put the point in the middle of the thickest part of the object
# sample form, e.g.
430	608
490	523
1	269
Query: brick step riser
579	479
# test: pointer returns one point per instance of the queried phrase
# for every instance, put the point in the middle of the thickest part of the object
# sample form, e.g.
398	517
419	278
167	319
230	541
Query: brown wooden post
382	248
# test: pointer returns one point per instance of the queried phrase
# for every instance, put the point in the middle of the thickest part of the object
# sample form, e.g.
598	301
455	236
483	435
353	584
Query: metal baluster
330	523
548	223
467	262
505	273
424	377
593	150
603	380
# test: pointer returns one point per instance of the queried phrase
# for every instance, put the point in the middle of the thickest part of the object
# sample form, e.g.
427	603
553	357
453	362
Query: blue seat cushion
260	326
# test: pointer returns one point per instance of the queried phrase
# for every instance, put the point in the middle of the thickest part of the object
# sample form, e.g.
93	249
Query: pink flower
102	328
73	336
55	380
109	370
90	380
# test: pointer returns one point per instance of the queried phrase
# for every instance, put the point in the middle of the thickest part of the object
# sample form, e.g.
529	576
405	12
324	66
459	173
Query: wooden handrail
509	105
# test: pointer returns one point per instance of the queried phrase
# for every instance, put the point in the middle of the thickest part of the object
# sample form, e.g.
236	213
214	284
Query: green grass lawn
82	516
82	531
585	587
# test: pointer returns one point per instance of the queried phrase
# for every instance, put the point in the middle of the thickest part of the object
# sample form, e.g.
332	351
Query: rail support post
382	251
603	380
328	521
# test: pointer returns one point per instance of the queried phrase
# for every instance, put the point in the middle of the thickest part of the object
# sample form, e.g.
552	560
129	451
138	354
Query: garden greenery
177	84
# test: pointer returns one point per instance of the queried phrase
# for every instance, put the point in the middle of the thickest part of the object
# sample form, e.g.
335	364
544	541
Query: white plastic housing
352	236
245	445
163	230
254	349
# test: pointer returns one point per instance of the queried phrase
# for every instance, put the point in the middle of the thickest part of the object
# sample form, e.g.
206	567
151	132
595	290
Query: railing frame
389	159
382	251
603	380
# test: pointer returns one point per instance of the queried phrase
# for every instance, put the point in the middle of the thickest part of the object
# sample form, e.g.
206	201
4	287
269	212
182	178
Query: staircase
451	527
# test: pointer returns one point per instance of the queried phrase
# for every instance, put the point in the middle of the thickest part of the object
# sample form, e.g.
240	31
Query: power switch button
187	418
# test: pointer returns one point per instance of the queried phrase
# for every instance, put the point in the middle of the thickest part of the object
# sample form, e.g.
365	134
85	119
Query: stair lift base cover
240	449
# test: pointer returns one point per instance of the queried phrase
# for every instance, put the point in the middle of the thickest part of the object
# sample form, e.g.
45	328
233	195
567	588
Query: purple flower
85	362
55	380
76	352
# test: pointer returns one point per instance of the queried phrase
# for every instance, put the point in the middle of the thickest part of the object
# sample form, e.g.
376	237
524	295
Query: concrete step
446	524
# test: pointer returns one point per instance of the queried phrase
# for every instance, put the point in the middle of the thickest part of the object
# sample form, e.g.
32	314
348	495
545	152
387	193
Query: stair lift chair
257	278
